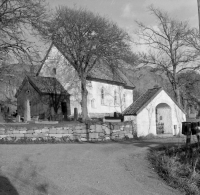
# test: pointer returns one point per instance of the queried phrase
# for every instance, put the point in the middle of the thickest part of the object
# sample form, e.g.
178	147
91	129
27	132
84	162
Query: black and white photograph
99	97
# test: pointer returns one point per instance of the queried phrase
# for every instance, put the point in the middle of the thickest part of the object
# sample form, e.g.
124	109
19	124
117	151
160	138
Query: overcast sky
125	12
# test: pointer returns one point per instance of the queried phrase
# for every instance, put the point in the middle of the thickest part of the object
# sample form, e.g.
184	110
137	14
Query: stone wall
80	132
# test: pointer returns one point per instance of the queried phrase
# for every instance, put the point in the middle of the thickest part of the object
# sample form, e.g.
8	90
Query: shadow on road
152	143
6	187
147	142
27	177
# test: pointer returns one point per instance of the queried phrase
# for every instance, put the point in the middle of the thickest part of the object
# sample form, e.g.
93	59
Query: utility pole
198	3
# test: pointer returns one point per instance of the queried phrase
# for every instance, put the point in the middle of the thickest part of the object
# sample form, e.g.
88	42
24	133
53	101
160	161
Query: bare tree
168	51
84	39
198	4
193	41
16	18
52	93
190	84
55	99
116	98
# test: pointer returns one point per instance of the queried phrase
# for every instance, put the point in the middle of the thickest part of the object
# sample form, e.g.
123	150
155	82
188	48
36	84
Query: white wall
146	118
69	79
94	94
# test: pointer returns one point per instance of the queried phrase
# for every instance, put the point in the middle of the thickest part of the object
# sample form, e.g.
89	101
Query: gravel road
115	168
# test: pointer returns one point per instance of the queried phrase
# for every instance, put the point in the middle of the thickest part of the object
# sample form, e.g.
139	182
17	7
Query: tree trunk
55	109
178	95
198	4
84	94
176	87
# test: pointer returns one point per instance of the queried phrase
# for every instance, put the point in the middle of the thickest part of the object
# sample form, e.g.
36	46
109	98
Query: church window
115	97
124	98
102	95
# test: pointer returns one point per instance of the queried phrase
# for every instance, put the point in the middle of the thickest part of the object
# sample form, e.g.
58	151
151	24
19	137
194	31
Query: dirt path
81	169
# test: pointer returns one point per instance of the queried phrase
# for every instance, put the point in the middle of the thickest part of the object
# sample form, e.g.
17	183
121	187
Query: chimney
156	86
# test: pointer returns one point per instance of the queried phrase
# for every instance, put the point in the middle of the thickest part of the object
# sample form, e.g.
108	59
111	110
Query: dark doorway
64	109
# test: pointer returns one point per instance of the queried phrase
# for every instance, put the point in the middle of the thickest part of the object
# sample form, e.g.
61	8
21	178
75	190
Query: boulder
129	135
83	139
99	129
93	136
107	130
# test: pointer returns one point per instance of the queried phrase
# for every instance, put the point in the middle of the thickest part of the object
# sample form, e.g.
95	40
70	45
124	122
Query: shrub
178	166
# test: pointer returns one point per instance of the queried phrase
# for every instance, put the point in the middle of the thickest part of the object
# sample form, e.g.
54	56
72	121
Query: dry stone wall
80	132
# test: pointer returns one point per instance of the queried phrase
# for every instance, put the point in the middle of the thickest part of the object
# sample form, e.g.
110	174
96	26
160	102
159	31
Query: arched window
115	97
102	95
124	98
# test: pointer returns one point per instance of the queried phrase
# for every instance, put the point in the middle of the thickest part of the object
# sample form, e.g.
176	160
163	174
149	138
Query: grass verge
179	166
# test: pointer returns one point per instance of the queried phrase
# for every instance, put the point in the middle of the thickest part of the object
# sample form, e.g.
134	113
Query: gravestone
1	118
27	111
18	119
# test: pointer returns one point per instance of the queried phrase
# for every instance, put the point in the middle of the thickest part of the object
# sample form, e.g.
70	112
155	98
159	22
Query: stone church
109	90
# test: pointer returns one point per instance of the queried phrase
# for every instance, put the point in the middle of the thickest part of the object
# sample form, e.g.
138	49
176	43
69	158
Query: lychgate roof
144	99
141	101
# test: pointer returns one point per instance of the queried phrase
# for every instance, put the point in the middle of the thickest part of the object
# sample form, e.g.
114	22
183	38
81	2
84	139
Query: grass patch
178	166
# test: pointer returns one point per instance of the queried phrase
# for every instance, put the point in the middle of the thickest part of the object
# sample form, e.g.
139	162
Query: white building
156	112
109	90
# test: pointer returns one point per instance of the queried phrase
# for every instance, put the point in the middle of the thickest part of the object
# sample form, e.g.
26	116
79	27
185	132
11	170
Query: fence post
188	135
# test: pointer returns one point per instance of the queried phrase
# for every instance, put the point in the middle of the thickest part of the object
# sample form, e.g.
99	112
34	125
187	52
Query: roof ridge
143	94
45	57
41	76
135	101
116	72
142	99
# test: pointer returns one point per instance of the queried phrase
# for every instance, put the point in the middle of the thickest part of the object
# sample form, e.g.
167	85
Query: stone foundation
80	132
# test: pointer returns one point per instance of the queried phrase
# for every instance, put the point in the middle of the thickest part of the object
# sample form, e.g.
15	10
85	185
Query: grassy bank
178	166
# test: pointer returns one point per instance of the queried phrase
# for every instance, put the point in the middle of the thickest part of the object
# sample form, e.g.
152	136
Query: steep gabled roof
141	101
44	85
144	100
102	73
47	84
44	59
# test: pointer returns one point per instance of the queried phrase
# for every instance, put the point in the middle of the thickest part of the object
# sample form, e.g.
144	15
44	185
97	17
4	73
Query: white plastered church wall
69	79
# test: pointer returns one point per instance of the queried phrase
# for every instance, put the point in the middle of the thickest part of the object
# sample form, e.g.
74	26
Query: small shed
156	112
44	97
